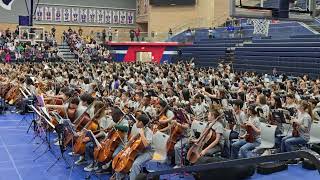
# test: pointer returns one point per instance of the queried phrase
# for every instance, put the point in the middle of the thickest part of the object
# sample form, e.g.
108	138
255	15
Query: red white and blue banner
70	14
58	14
100	16
75	14
39	13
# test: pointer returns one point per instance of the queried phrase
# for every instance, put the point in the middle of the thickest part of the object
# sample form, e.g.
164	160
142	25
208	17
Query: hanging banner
92	15
66	14
115	15
83	15
6	4
39	13
75	14
130	17
108	16
48	13
123	17
100	16
57	14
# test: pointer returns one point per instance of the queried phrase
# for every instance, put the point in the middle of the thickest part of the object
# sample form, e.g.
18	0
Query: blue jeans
288	143
243	149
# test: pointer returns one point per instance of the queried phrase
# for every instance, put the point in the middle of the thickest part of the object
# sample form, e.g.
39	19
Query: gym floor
18	150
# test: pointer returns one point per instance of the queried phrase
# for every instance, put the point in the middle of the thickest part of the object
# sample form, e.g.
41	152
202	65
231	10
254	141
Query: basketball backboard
29	33
296	10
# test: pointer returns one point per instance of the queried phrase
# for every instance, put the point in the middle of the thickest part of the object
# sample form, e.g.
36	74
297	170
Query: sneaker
95	168
89	168
80	161
58	143
102	171
176	167
106	166
72	154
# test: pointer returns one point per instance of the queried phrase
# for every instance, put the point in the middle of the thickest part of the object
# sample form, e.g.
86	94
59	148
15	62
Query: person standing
170	33
110	34
137	34
116	35
104	35
210	33
131	32
80	31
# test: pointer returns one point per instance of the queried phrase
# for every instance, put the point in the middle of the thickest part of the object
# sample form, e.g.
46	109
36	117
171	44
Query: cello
80	122
109	145
206	138
123	161
80	146
176	129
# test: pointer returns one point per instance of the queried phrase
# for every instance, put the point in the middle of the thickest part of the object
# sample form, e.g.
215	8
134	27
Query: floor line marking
11	159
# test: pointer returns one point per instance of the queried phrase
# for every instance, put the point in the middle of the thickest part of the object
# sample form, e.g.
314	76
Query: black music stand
60	132
45	124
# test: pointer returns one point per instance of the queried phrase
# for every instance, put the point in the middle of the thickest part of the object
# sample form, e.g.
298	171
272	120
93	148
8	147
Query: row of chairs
268	140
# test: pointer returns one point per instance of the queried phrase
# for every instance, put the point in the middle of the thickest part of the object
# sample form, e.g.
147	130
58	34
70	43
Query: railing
308	154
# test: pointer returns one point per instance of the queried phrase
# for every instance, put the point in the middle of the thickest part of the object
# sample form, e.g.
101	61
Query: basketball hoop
261	26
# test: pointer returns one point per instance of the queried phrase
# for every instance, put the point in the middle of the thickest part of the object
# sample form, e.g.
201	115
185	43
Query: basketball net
261	26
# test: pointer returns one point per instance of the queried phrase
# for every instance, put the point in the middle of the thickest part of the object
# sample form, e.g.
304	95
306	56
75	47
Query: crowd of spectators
87	48
13	49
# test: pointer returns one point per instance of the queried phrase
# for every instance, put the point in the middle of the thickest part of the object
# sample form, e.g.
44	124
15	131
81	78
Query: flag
66	14
108	17
100	16
115	17
123	17
6	4
130	17
75	14
57	14
48	13
39	13
83	15
92	15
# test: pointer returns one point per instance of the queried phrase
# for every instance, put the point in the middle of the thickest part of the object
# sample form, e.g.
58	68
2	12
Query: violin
123	161
206	138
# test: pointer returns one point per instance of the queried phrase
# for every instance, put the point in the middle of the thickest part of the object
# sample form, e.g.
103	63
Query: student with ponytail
301	127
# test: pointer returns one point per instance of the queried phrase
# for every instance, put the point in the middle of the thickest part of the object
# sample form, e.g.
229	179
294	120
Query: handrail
308	154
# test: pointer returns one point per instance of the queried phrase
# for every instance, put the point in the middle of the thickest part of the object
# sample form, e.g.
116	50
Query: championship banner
48	13
6	4
75	14
108	17
57	14
66	14
39	13
115	15
83	15
100	16
130	17
123	17
92	15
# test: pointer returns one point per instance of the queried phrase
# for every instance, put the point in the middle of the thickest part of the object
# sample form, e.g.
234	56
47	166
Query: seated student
303	126
243	148
146	155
